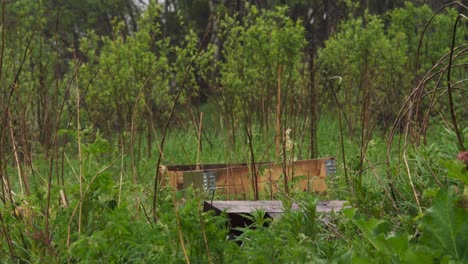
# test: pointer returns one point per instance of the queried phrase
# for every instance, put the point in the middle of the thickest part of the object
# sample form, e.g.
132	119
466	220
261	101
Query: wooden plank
273	209
247	207
237	206
330	206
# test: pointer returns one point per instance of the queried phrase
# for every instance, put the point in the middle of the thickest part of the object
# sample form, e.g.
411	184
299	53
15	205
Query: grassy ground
109	218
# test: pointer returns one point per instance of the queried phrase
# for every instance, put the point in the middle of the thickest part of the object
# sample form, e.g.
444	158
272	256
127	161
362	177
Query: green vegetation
94	97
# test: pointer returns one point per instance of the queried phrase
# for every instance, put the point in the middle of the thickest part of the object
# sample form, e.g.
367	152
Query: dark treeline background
128	58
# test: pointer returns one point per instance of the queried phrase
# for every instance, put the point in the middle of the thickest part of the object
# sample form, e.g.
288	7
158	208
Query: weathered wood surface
234	180
273	208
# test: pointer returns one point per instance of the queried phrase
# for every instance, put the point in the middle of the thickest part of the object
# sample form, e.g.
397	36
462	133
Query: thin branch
166	126
449	87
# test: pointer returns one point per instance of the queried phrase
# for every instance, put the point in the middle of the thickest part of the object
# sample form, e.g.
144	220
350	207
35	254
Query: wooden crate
234	180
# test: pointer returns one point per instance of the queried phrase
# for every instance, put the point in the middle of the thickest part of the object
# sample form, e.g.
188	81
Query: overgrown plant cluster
89	117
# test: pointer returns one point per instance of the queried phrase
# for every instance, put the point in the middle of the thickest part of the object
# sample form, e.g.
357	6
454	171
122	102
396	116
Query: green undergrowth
122	234
117	224
84	130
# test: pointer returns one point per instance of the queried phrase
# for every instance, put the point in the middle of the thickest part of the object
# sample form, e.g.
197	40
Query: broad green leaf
457	170
445	227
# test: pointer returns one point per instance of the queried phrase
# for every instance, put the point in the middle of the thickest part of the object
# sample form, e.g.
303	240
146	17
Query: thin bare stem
426	27
15	152
179	227
449	87
103	169
199	140
2	49
80	159
341	110
205	239
171	114
278	114
121	173
14	83
408	172
55	150
6	233
253	167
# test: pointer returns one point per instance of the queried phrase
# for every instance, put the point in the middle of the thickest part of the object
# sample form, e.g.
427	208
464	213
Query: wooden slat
247	207
234	180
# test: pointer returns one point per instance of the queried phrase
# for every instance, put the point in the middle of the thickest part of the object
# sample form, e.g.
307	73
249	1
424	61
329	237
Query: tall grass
92	198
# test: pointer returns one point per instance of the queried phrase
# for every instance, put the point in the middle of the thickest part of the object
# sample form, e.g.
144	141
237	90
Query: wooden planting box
236	180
